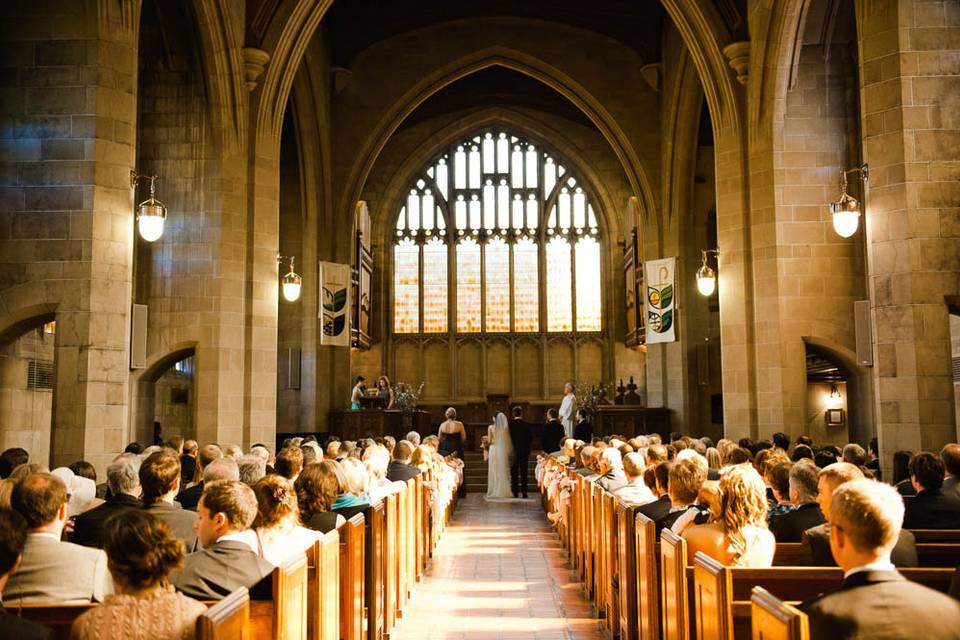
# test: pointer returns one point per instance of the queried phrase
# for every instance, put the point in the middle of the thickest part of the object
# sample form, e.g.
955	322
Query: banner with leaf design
334	304
660	296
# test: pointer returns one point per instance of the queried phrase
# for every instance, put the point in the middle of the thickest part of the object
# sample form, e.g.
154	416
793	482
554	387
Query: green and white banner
658	276
335	304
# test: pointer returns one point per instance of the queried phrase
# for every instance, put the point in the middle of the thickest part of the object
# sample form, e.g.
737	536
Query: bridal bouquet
485	445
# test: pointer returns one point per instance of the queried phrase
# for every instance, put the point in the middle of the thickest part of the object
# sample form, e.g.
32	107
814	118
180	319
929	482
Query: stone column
909	66
66	226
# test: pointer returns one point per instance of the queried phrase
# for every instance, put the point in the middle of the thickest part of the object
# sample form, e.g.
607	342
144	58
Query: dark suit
789	527
553	435
86	529
190	498
583	431
931	509
521	433
883	604
16	628
179	520
816	547
188	466
401	471
211	574
657	510
951	486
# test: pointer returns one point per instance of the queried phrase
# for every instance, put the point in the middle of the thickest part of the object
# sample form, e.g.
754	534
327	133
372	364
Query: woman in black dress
452	435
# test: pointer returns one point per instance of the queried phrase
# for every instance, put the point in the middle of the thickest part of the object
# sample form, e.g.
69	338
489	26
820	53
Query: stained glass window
497	285
435	287
468	286
521	231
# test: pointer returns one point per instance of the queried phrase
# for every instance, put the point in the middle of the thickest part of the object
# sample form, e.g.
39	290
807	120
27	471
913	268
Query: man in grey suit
875	600
816	540
160	482
950	455
228	559
52	571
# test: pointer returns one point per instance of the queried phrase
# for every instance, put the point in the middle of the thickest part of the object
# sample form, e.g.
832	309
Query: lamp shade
151	215
291	286
846	215
706	280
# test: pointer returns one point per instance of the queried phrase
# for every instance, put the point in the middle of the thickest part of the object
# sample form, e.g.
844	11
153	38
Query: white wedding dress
498	460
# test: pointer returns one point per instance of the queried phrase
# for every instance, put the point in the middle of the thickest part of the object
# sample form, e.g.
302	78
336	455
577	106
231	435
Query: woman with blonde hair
355	482
713	458
739	535
421	458
376	459
277	526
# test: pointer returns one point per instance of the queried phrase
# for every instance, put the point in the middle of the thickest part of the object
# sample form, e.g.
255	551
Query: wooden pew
936	535
285	616
647	554
573	525
599	562
586	493
628	622
422	526
392	560
610	553
411	532
772	619
58	617
722	593
374	558
228	619
351	578
403	547
676	601
323	588
930	554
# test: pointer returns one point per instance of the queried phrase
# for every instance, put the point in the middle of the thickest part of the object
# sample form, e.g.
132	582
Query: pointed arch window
497	235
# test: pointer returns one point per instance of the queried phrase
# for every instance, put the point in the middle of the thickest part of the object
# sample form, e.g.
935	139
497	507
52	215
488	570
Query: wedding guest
875	600
686	477
385	392
930	508
190	496
251	468
413	438
452	434
400	468
317	488
41	499
13	537
12	458
359	389
421	458
227	558
124	480
779	478
950	455
142	553
636	490
583	431
376	460
740	536
289	463
803	482
586	456
901	473
279	532
553	432
713	458
611	470
188	462
354	498
659	508
160	481
82	491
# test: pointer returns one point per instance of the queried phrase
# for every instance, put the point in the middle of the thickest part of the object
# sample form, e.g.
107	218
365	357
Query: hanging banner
660	294
335	308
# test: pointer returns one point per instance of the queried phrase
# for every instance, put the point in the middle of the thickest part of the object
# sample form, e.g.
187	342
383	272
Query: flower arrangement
405	397
590	397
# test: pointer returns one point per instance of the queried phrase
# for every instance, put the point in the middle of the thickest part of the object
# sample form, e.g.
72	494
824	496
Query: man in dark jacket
789	527
816	540
930	508
13	538
553	432
227	560
875	600
400	469
521	433
188	462
659	509
189	497
124	481
160	482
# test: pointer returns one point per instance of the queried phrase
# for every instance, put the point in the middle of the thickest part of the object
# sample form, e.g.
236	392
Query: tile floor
499	573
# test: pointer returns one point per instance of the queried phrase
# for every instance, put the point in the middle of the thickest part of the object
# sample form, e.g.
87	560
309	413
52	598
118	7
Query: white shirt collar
44	534
881	565
247	537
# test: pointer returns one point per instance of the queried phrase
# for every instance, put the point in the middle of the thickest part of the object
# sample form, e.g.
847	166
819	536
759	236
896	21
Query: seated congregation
183	541
759	539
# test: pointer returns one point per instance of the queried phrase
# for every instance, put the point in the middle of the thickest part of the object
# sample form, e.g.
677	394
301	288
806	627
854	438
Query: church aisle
499	573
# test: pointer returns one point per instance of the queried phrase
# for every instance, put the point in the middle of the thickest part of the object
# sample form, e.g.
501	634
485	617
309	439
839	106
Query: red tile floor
499	573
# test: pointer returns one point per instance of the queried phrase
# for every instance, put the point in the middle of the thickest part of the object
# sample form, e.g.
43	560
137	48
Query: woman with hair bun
141	554
279	532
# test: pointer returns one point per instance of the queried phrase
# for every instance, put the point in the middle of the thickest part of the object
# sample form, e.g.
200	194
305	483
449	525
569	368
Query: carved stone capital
738	55
652	73
254	62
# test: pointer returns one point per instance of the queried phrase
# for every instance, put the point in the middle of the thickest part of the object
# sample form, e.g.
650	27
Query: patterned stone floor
499	573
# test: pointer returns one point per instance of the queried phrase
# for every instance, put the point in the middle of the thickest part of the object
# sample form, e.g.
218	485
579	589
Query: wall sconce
151	213
835	400
291	281
846	211
707	277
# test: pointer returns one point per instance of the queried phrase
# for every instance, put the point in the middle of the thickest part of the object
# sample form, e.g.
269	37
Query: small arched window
496	236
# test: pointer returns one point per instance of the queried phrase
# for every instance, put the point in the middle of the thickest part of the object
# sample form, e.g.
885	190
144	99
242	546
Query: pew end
773	619
227	619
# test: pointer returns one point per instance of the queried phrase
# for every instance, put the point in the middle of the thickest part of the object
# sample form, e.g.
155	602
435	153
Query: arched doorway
27	381
166	398
839	405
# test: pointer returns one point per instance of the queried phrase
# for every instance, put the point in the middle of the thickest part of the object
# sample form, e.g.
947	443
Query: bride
498	461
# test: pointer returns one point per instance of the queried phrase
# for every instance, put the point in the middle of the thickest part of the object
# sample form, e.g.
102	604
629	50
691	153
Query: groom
520	432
